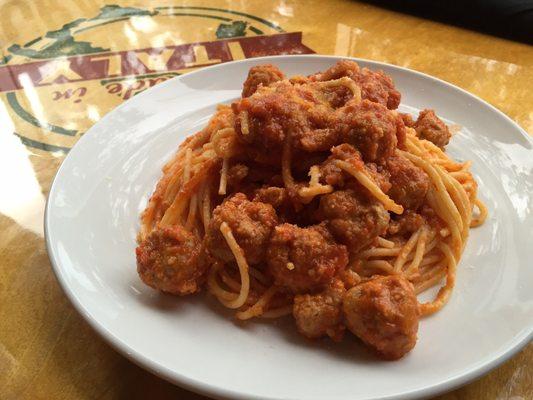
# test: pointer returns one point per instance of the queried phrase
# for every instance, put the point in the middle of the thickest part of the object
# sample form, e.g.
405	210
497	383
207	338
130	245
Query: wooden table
65	64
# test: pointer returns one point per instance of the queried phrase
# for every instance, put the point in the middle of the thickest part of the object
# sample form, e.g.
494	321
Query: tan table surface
47	351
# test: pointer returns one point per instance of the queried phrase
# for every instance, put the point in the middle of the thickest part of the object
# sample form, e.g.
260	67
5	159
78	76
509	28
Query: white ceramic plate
92	219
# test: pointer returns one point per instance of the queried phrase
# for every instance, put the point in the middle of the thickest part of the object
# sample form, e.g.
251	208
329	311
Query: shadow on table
510	19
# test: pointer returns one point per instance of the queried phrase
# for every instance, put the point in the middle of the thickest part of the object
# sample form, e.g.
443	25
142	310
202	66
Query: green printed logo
58	84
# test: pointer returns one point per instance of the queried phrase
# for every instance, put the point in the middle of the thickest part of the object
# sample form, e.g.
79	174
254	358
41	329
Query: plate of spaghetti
301	227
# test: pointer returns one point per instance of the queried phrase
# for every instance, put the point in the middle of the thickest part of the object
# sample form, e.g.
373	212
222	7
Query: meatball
353	220
371	128
401	132
330	173
261	75
236	174
342	68
375	85
251	223
383	313
430	127
304	259
275	196
170	259
274	111
378	175
407	120
378	88
260	119
406	223
263	119
409	184
320	139
321	314
337	96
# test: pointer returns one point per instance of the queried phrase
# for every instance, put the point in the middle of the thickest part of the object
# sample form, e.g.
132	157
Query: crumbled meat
275	196
406	223
341	69
337	96
430	127
379	175
379	88
304	259
383	313
251	223
170	259
321	116
407	120
401	132
333	175
236	174
409	183
375	85
261	75
320	314
353	220
274	111
321	139
330	173
371	128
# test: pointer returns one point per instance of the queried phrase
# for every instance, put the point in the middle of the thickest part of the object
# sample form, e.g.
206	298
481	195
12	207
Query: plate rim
205	388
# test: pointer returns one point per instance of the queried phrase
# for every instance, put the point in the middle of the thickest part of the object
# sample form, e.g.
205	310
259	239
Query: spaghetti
251	148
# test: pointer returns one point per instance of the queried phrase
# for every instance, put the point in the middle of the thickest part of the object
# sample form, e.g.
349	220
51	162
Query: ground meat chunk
275	196
260	119
406	223
260	157
378	87
352	219
349	277
260	173
347	152
371	128
236	174
299	79
337	96
379	175
330	173
251	223
375	85
316	140
383	313
409	183
342	68
304	259
321	314
307	110
430	127
282	108
261	75
170	259
401	132
407	120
